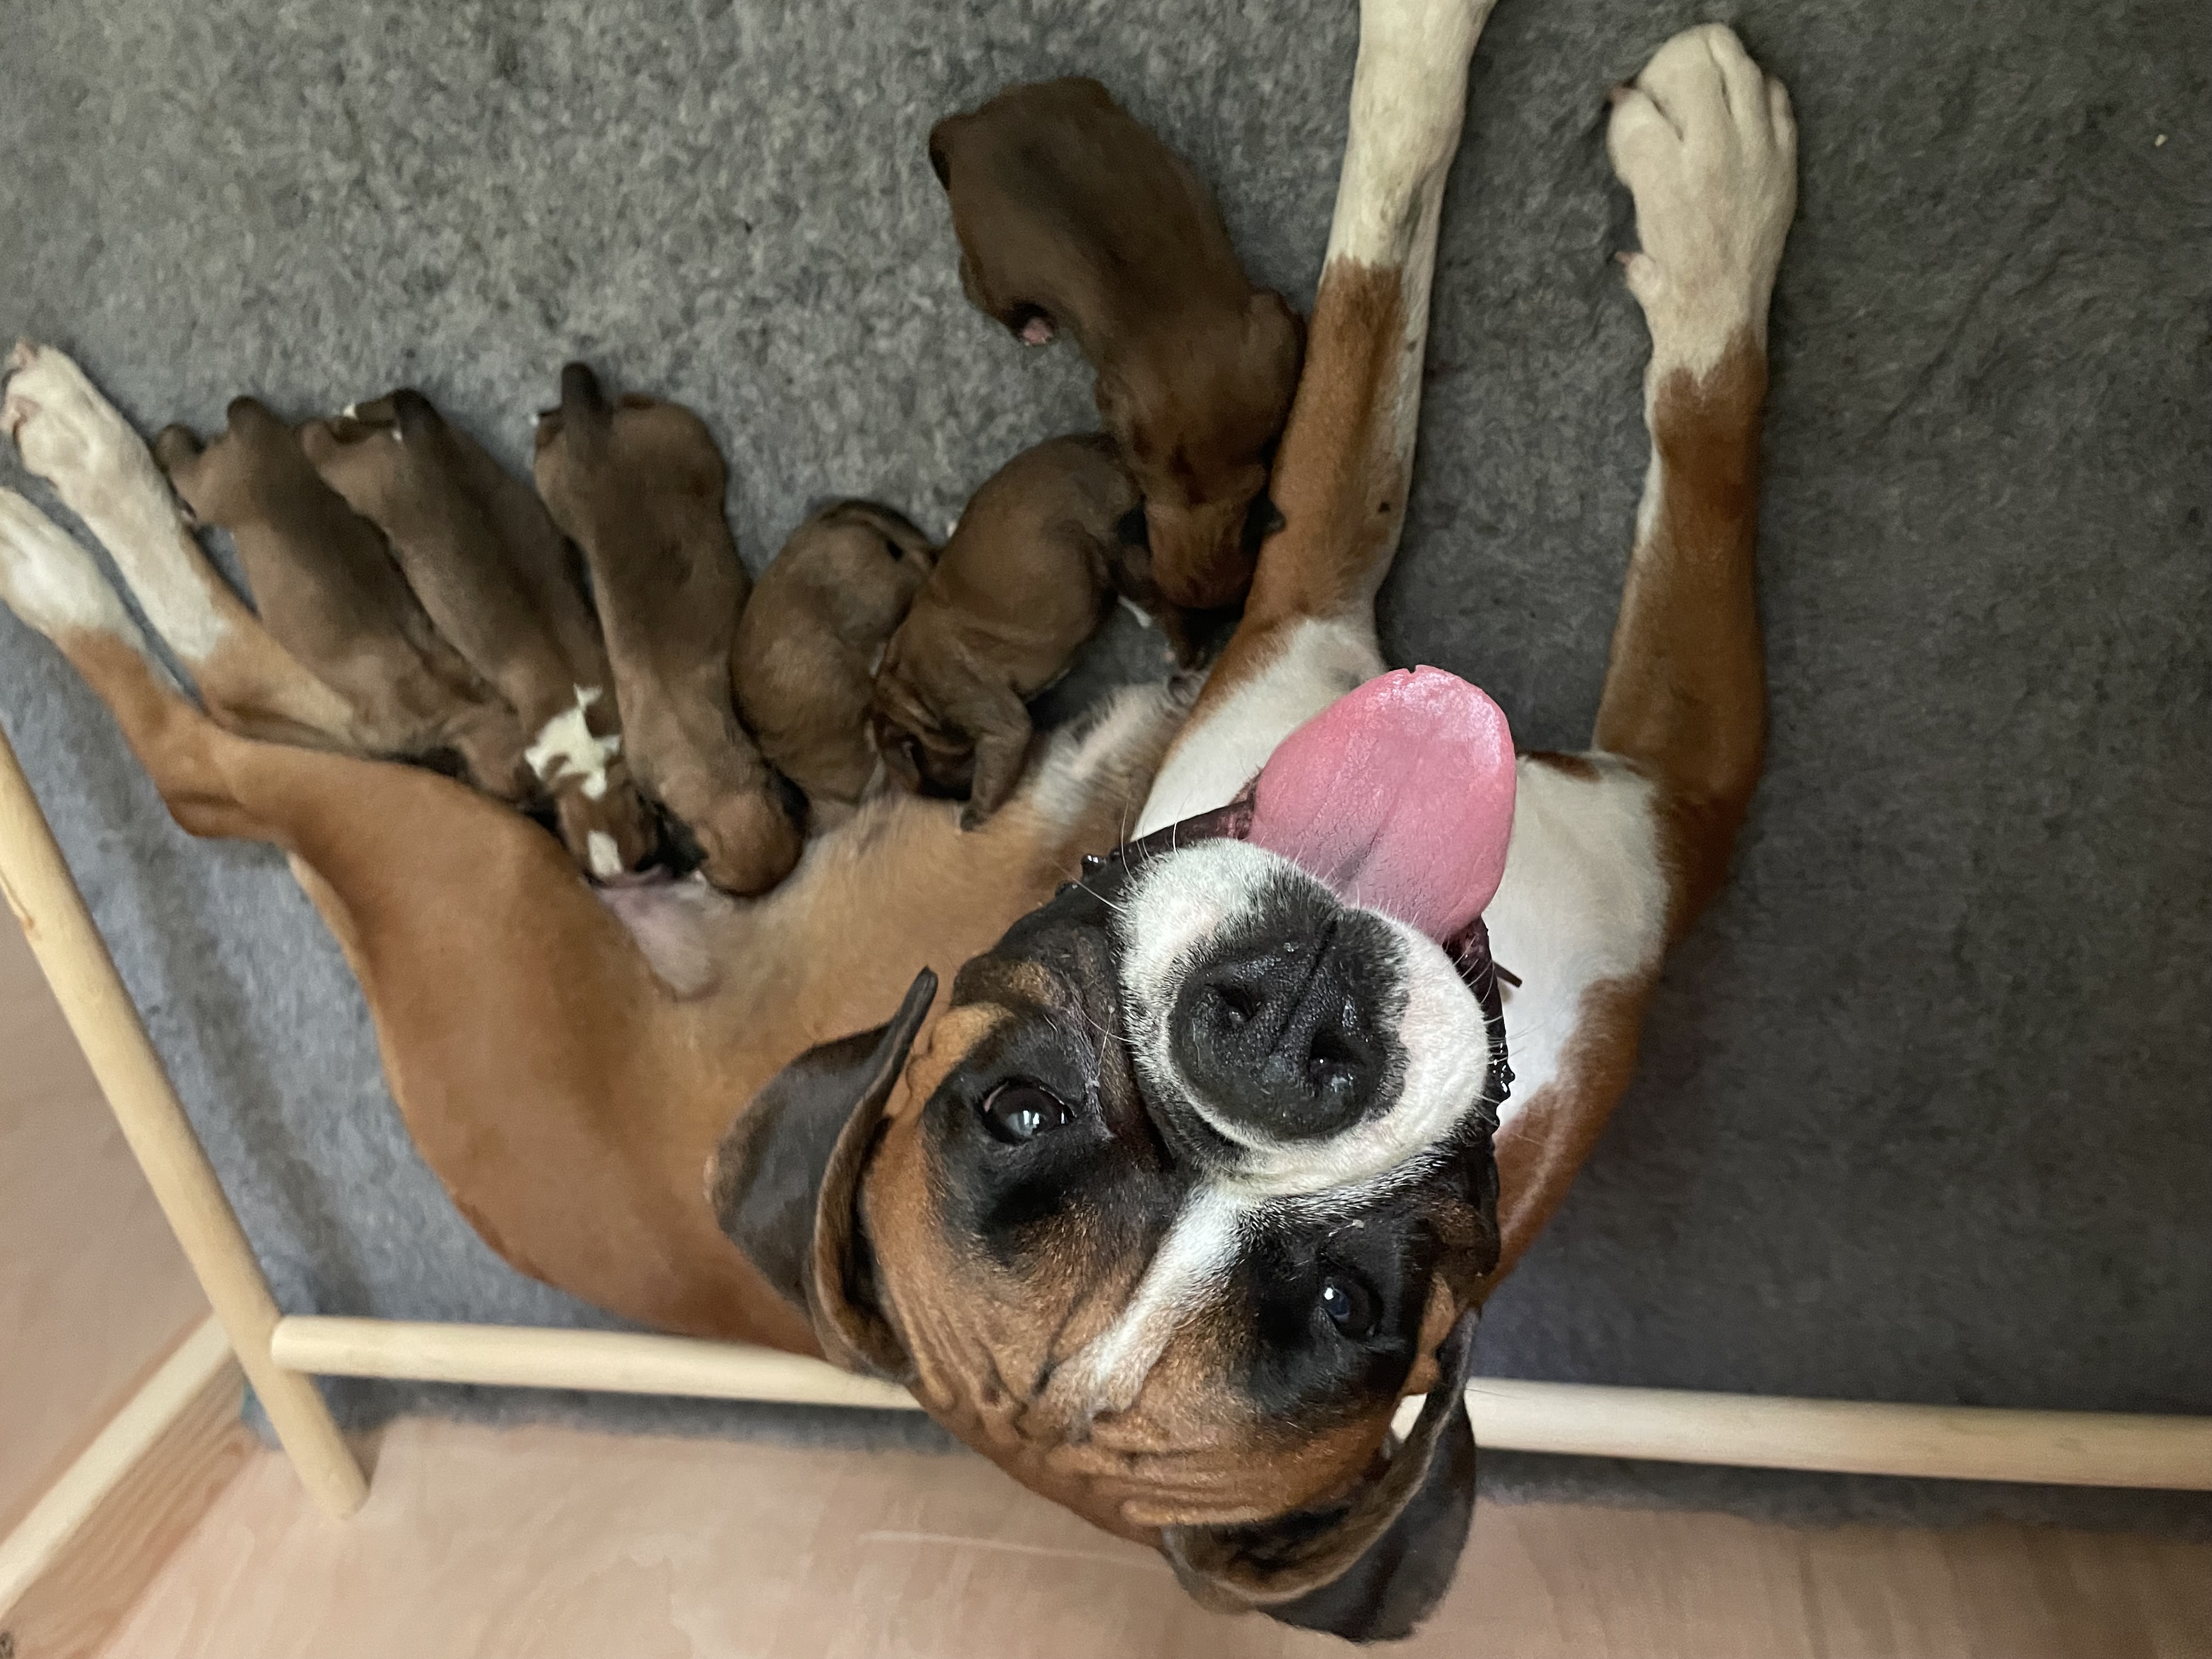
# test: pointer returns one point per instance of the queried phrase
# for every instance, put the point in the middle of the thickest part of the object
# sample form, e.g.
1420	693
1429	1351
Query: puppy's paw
1705	141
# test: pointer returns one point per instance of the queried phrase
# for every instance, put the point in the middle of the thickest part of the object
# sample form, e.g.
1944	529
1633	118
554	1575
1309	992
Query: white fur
1062	782
1109	1370
1706	144
73	437
604	855
566	748
1408	101
52	582
1183	901
1218	754
1583	901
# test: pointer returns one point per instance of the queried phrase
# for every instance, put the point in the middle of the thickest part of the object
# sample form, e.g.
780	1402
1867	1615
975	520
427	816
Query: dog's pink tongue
1399	796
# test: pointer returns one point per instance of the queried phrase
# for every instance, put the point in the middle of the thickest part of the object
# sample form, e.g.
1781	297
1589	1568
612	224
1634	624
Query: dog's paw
68	434
50	582
1705	142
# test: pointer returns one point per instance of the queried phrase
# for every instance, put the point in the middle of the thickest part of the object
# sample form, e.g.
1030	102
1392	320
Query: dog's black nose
1282	1034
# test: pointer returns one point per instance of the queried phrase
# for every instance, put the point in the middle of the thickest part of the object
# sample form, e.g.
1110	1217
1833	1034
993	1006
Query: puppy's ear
1372	1567
786	1182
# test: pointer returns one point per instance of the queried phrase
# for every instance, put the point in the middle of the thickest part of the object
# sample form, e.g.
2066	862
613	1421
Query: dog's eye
1350	1305
1015	1112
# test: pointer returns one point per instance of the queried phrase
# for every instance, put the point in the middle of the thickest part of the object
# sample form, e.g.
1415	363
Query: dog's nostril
1238	1003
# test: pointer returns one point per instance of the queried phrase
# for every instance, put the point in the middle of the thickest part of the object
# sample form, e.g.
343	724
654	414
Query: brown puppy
1073	213
324	583
1022	583
809	642
638	484
514	611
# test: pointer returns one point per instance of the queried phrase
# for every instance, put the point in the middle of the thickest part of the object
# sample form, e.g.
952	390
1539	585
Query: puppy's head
1189	1182
922	747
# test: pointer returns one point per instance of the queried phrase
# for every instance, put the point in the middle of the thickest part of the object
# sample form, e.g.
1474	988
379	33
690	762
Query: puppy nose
1279	1036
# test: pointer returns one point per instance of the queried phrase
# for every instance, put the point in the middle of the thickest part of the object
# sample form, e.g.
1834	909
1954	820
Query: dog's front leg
1613	853
1706	144
1340	475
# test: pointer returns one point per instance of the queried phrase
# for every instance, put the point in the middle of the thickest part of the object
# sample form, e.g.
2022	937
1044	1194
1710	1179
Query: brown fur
1070	212
1685	700
1016	591
401	466
804	663
331	596
638	484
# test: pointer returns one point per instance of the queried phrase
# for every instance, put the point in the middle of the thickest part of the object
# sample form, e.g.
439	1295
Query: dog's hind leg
72	436
1347	457
54	586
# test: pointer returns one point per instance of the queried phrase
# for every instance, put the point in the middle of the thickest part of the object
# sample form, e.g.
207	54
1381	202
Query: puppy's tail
584	417
415	414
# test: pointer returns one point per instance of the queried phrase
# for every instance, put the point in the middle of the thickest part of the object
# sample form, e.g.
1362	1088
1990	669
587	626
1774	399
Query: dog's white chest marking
1583	901
566	748
1220	754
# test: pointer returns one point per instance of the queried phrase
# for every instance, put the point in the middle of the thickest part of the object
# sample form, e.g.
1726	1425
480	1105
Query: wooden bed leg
45	899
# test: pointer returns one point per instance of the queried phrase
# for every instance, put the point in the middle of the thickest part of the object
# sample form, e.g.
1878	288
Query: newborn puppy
326	585
1072	214
514	611
638	484
810	639
1023	581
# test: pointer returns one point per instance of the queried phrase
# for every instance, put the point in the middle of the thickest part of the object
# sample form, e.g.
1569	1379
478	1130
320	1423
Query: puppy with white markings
637	482
1188	1183
512	609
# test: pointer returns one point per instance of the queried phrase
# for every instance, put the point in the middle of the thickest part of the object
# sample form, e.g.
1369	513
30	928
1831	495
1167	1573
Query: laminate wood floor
544	1543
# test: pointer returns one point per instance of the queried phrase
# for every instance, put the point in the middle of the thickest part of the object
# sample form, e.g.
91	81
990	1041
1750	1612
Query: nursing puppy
1071	214
1021	585
809	640
637	483
326	583
512	608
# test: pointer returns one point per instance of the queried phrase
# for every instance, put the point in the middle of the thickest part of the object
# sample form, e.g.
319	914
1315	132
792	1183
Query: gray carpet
1922	1114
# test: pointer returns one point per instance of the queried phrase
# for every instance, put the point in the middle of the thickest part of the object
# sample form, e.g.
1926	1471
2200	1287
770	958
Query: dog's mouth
1398	796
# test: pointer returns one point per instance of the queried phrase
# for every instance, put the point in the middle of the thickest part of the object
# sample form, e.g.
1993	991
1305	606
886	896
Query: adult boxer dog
1187	1307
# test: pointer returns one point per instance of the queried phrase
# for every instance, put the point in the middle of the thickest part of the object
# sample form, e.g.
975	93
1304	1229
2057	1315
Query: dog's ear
786	1183
1373	1566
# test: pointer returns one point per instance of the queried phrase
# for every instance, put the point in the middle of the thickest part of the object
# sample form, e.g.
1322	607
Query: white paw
1705	142
49	580
68	434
